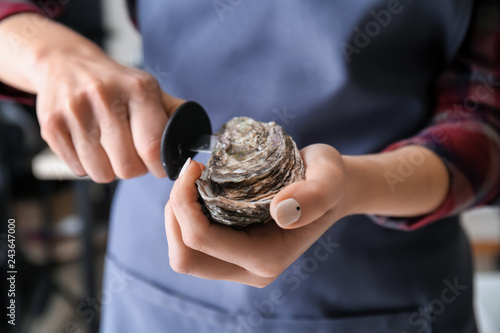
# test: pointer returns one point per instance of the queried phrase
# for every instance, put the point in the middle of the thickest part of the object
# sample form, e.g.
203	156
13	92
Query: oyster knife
188	132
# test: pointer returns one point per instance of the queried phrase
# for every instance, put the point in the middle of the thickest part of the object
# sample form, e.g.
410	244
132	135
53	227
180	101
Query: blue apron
357	75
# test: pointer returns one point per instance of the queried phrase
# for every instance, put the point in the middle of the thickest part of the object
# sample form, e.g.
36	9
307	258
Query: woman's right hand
102	118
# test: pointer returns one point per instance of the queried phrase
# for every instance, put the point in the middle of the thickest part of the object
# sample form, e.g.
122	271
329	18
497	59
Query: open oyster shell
251	162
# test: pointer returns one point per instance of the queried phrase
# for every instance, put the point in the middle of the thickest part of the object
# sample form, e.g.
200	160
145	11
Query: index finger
147	122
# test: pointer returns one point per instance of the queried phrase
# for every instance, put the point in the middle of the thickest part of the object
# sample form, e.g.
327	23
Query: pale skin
105	120
102	118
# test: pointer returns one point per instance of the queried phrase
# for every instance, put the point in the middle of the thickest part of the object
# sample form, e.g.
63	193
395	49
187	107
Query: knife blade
205	144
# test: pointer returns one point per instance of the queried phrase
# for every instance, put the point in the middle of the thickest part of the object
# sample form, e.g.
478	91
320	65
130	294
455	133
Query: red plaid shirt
465	129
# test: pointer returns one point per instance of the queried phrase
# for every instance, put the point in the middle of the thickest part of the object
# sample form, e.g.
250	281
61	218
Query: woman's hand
103	119
335	186
256	255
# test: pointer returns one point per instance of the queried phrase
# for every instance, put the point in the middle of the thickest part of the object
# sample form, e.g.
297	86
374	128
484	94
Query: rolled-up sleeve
11	7
465	132
48	8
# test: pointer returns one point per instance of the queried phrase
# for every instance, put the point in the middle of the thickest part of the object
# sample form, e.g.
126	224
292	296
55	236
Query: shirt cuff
7	93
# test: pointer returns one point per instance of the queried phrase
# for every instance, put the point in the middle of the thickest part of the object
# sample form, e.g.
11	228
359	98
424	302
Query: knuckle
139	89
181	264
85	149
93	137
168	208
119	107
130	170
75	102
193	241
108	126
137	83
50	126
269	271
73	162
103	179
150	151
96	86
146	81
102	176
173	199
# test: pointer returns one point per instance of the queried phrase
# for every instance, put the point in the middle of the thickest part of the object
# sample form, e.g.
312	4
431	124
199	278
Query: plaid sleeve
10	7
48	8
465	131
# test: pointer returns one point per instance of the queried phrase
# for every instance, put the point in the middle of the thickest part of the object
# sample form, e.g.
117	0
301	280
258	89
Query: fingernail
288	211
184	167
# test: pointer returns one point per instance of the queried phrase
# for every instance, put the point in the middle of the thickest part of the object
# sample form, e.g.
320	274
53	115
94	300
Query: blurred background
62	220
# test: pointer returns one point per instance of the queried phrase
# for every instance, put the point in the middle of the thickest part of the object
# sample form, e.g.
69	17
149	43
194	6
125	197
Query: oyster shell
251	162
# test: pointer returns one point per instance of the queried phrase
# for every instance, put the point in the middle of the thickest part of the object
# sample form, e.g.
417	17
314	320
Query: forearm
410	181
27	39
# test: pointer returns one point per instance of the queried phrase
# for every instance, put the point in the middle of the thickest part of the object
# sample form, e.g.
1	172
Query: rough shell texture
251	162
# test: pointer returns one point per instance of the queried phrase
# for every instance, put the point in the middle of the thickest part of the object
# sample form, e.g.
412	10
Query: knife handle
185	127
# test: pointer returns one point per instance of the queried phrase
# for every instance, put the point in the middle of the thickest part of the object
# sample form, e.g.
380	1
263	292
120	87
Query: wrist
353	199
55	46
370	188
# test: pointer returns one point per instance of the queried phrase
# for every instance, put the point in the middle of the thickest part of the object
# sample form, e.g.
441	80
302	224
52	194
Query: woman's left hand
256	255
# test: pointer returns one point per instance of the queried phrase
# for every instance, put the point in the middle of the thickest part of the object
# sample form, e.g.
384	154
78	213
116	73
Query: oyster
251	162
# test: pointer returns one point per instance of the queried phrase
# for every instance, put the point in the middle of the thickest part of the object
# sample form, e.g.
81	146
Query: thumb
306	201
